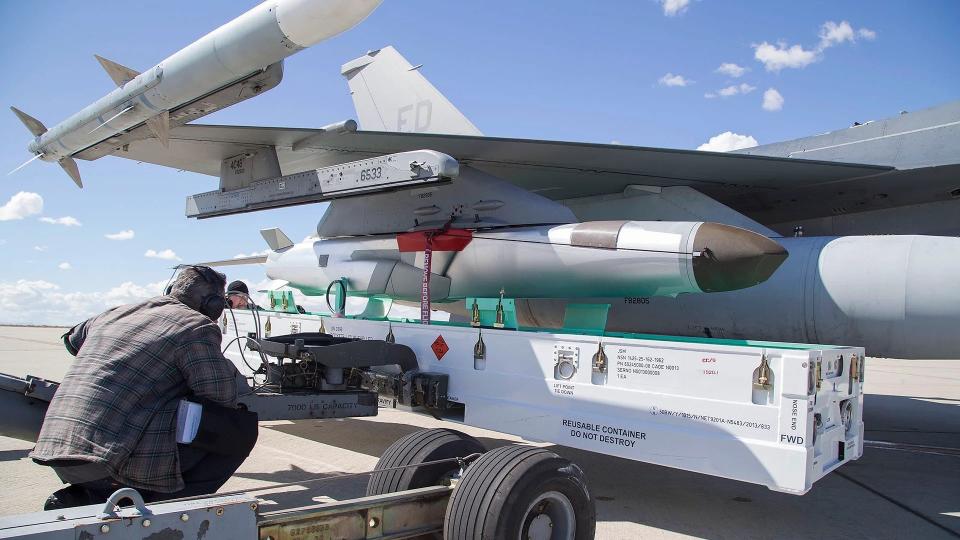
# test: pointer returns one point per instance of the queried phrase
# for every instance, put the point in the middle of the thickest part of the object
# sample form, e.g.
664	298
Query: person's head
201	288
238	295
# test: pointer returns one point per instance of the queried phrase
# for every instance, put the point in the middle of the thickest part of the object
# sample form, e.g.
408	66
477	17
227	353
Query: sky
673	73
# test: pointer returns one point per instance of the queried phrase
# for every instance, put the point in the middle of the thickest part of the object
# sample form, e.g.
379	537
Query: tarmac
907	484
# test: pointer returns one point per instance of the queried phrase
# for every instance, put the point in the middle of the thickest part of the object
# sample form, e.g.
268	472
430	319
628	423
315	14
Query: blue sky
563	70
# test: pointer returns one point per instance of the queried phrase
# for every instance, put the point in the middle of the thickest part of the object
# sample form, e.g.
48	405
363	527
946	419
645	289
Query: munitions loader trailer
781	415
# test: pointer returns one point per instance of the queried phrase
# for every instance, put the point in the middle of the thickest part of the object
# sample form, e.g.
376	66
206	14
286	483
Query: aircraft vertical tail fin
389	94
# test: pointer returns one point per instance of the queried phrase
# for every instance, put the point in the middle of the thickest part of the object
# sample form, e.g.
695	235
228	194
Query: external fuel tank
897	296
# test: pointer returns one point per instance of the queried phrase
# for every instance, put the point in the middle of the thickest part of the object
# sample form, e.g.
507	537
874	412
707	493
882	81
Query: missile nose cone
732	258
308	22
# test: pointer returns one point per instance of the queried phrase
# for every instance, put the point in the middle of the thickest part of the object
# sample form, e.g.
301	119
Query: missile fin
35	126
255	259
276	239
121	75
159	125
274	285
70	166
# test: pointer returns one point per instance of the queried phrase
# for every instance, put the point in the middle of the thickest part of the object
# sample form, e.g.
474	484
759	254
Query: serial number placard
632	364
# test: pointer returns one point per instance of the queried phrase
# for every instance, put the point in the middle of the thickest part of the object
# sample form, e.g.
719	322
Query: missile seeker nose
732	258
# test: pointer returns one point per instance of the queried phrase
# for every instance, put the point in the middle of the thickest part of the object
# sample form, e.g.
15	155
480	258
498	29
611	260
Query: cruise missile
238	60
600	258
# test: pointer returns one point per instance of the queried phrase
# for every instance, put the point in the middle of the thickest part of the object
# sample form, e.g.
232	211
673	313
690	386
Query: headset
211	305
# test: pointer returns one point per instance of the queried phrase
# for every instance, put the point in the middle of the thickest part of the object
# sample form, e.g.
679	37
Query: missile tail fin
35	126
159	125
255	259
121	75
276	239
273	285
70	166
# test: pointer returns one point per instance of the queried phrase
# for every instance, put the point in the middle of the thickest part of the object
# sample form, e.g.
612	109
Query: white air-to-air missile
238	60
602	258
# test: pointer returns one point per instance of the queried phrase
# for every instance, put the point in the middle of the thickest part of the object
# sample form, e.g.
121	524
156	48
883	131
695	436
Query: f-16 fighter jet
425	208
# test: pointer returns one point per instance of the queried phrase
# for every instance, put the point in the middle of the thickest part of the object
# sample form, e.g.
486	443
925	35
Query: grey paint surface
925	138
908	402
897	296
775	191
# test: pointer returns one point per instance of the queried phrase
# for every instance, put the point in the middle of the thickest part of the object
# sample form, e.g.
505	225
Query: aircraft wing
553	169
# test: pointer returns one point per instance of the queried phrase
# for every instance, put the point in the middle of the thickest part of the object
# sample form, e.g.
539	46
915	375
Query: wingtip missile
241	52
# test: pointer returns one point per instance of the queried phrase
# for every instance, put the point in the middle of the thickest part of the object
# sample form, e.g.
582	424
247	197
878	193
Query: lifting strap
425	284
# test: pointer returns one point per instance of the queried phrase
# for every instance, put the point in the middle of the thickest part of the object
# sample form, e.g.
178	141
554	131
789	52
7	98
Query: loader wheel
416	448
521	492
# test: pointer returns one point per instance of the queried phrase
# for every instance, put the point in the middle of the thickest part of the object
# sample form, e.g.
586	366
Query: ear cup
212	305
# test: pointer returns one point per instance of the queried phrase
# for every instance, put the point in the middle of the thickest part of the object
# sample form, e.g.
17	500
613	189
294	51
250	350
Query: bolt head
373	522
184	517
146	523
104	529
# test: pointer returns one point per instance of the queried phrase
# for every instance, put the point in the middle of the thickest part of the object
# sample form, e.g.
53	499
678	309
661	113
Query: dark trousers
203	473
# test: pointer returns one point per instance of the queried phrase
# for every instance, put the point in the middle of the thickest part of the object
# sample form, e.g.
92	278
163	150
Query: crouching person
113	421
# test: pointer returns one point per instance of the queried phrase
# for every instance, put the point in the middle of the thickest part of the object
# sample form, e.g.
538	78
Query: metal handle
110	507
341	309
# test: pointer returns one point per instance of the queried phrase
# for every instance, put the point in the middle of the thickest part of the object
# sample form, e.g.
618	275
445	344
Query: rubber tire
420	447
497	488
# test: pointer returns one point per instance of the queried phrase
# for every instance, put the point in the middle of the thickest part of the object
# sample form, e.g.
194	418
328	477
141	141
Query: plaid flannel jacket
117	405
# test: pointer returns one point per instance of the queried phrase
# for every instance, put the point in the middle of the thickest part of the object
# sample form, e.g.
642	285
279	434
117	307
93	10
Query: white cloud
832	34
731	70
615	141
742	88
674	7
674	80
66	221
39	248
122	235
41	302
21	205
772	100
64	266
253	254
779	56
166	254
727	141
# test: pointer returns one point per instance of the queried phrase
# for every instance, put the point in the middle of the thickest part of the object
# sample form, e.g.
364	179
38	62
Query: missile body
563	261
254	42
897	296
